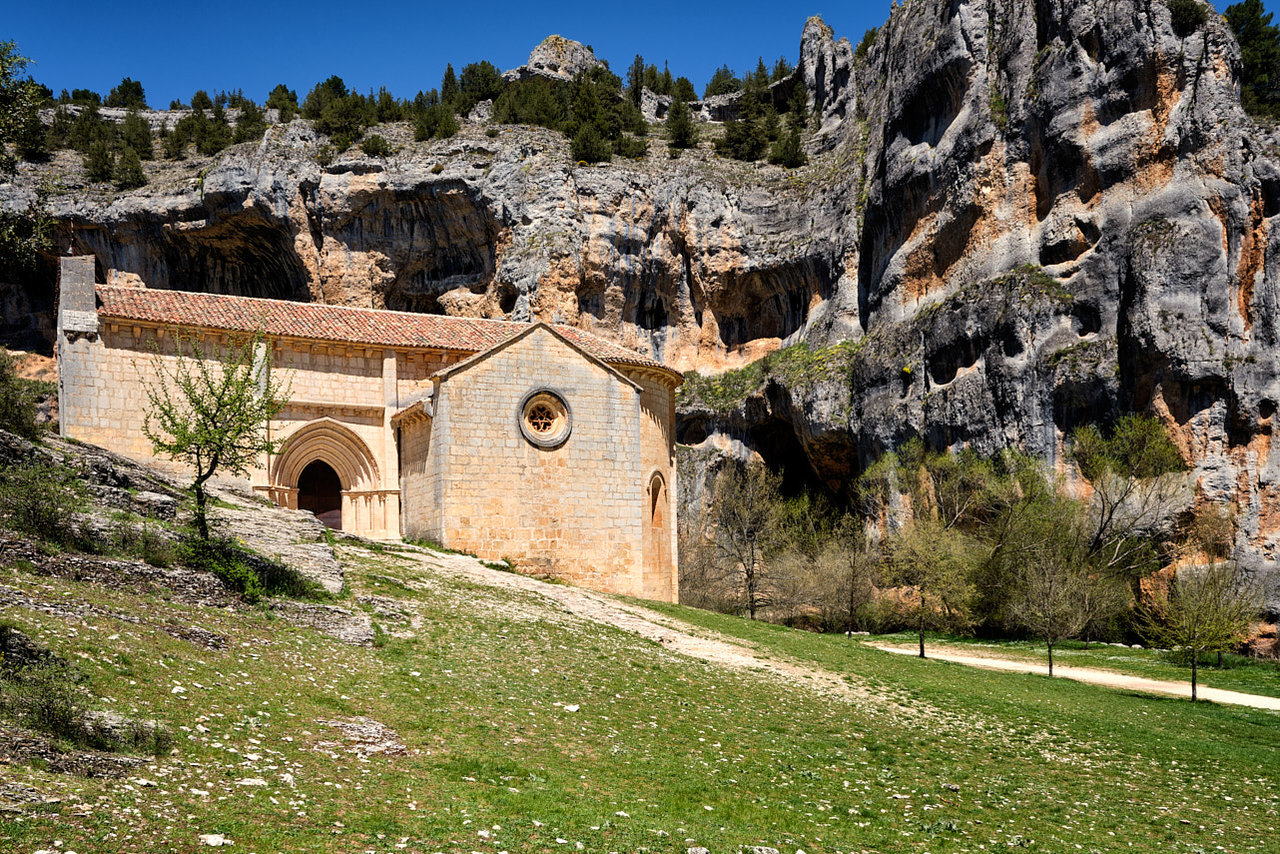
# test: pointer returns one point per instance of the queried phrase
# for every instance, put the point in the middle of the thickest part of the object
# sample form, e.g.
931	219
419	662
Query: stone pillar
390	525
77	342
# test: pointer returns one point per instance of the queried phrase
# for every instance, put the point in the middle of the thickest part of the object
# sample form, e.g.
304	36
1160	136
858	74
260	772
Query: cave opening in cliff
776	443
240	256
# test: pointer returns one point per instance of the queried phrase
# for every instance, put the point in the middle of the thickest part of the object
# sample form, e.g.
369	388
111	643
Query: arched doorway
320	491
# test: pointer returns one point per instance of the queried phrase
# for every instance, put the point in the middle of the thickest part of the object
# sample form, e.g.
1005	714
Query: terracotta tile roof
337	323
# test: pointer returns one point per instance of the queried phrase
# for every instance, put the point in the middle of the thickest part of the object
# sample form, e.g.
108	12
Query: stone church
533	442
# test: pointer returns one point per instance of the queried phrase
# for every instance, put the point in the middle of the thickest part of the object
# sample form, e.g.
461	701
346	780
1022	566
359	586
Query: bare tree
1204	609
1051	580
1138	488
210	409
744	517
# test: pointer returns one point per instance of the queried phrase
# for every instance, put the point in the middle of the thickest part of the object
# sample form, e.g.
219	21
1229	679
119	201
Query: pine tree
781	69
251	124
99	165
128	94
722	82
128	170
285	100
449	91
761	76
1260	55
667	83
652	80
480	81
682	90
787	153
635	79
89	128
589	146
681	132
135	133
30	139
201	100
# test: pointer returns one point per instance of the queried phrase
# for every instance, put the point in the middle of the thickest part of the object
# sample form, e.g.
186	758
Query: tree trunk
202	520
920	627
1050	659
1195	655
852	603
1219	659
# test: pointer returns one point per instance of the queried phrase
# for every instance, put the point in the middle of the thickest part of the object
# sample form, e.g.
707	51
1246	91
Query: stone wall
576	511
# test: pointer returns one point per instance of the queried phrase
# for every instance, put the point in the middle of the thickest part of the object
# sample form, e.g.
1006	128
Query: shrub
786	152
376	146
630	146
47	697
249	574
744	139
868	42
142	541
999	109
436	121
17	402
39	499
1187	16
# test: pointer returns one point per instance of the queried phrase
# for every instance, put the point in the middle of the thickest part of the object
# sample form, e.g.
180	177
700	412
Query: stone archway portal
320	491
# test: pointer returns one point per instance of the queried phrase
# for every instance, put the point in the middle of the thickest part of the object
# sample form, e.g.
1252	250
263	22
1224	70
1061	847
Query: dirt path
600	608
1106	678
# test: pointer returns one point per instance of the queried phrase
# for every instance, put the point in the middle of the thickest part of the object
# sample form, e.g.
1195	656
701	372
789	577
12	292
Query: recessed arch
320	491
332	443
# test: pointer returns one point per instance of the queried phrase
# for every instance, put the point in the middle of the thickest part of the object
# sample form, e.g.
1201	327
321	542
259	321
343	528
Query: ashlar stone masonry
536	443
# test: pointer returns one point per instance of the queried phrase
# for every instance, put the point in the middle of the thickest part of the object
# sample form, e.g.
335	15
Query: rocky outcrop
1018	217
555	58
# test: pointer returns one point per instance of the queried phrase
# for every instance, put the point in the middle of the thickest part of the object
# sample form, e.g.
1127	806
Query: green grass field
528	729
1237	673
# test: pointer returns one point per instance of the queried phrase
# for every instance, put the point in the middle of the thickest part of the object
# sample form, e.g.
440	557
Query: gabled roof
555	332
338	323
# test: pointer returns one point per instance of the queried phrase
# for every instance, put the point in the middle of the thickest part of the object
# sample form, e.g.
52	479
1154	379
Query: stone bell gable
539	443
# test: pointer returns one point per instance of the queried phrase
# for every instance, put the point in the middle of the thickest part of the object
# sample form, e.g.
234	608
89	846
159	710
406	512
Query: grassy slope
662	752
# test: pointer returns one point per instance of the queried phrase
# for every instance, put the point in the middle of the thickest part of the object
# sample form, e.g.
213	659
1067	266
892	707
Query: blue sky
177	47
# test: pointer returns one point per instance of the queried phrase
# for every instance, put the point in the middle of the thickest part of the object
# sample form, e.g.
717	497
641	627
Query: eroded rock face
971	140
556	58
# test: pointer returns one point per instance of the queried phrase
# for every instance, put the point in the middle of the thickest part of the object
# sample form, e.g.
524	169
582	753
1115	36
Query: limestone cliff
1019	215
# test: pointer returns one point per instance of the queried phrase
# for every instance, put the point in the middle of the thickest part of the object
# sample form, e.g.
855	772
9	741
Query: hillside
1056	213
439	704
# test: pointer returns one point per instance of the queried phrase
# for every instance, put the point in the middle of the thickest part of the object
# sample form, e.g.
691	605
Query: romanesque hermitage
538	443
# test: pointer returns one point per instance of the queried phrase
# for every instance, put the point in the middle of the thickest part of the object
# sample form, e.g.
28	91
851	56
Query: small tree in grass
745	516
1204	609
210	410
933	564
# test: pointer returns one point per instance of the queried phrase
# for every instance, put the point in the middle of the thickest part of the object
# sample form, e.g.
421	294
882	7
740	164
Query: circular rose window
544	419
